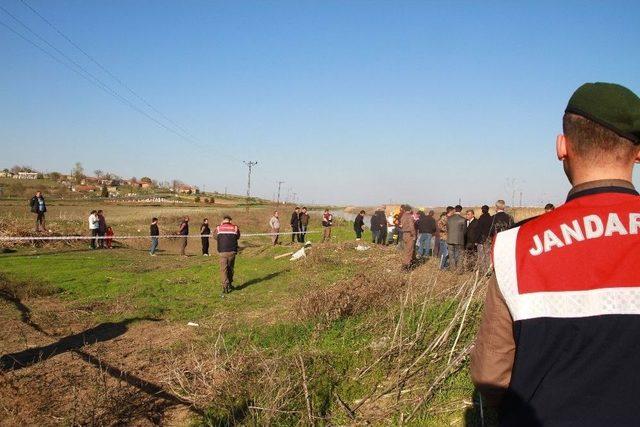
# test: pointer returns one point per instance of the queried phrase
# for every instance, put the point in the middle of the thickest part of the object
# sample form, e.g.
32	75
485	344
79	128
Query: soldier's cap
610	105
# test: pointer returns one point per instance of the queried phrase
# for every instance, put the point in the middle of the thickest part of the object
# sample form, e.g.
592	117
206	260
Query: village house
26	175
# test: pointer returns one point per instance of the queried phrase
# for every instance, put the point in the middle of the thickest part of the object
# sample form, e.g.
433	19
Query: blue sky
350	102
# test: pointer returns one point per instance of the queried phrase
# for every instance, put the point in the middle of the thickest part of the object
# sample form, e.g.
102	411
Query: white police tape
165	236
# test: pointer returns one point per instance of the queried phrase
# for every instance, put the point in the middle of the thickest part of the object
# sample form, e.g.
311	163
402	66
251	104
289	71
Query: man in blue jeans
154	232
426	225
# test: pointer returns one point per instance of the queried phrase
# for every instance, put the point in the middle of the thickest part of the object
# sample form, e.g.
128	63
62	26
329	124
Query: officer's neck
583	175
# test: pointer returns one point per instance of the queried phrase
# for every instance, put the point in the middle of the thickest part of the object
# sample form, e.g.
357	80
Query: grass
351	321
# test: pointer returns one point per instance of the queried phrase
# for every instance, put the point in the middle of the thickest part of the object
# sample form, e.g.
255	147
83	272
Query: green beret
610	105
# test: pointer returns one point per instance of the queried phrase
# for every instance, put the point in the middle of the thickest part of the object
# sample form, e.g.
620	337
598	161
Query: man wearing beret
559	339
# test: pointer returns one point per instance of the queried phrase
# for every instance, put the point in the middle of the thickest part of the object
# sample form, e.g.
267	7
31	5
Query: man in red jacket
227	235
558	343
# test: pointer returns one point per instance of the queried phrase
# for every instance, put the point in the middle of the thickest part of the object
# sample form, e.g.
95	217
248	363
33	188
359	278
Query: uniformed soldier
408	227
227	235
559	342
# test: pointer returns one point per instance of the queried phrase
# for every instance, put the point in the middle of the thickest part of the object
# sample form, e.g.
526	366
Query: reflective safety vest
571	280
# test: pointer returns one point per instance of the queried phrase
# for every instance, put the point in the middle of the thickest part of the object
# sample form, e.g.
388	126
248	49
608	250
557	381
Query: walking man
154	232
39	207
274	224
94	224
304	225
227	235
327	223
558	341
205	231
295	224
408	226
456	227
184	232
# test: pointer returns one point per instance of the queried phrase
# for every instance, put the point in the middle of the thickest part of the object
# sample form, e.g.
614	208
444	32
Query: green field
341	337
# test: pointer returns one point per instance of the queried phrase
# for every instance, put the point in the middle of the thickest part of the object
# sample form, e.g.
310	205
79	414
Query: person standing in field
184	232
456	228
327	223
484	245
378	225
304	225
358	225
501	220
409	235
426	225
154	232
558	340
443	249
295	224
227	235
471	240
39	207
205	231
102	228
274	224
94	224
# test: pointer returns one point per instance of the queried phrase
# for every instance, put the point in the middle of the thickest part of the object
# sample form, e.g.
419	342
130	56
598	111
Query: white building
26	175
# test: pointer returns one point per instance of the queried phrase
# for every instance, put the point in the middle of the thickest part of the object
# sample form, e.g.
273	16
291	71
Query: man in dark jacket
227	235
154	232
426	225
39	207
304	224
358	225
295	224
378	227
501	220
471	239
102	228
484	245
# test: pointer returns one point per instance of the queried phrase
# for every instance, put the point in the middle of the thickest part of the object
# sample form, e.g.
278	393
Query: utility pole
295	199
279	184
249	165
521	199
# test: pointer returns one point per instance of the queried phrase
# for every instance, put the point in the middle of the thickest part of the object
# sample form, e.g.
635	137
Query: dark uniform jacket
499	222
378	221
227	235
558	343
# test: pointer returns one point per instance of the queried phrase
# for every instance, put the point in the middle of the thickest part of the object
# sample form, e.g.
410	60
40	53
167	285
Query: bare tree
78	172
98	173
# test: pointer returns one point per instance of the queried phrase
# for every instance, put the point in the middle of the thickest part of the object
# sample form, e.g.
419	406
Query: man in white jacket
94	224
274	223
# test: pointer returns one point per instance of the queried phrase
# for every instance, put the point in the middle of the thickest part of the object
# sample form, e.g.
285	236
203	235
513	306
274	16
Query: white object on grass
362	248
192	324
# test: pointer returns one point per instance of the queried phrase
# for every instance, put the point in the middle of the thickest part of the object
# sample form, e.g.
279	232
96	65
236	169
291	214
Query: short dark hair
458	208
362	211
484	209
471	210
592	141
154	219
449	209
549	207
93	211
226	217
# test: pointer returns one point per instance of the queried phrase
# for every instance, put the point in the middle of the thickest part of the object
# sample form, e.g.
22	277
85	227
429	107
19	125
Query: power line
106	70
250	165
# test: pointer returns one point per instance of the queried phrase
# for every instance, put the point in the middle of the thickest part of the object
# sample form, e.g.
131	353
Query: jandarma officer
559	340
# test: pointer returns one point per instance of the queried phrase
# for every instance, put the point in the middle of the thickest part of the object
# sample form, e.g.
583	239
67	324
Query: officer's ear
561	147
637	159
